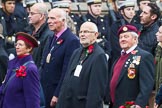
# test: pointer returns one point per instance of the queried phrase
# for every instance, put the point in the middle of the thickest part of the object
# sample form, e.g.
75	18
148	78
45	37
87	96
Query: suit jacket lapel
61	39
75	61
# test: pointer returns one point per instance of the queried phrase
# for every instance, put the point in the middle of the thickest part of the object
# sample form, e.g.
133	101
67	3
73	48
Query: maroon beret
127	28
27	38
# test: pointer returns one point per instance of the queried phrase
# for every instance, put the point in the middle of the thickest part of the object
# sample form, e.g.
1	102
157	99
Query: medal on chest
48	58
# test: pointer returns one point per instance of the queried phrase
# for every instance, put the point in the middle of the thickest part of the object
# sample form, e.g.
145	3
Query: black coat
3	61
41	35
147	39
87	90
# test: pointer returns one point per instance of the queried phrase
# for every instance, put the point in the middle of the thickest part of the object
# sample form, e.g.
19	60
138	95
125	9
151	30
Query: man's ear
154	16
96	34
122	12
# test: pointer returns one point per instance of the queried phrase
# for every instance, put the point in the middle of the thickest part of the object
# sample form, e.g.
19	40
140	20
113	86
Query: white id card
78	70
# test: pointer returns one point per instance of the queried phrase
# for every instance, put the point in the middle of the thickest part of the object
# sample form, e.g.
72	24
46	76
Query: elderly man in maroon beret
132	76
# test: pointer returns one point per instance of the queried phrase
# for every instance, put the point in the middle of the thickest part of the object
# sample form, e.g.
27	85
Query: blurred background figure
140	4
11	23
158	71
21	14
127	13
39	29
149	18
3	56
159	4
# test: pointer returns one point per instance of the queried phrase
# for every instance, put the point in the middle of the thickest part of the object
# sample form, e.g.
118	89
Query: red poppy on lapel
127	104
90	49
134	52
60	41
21	71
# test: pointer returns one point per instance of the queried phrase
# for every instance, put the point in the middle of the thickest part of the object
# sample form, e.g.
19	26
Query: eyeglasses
86	31
32	13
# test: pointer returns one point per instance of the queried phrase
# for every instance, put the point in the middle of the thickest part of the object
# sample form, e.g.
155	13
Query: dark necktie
53	40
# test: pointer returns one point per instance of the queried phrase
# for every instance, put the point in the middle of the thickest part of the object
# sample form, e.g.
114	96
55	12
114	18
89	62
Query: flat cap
126	4
89	2
61	4
27	38
127	28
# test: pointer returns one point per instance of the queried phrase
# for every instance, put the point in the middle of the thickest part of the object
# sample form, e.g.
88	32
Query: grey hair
63	15
42	8
134	34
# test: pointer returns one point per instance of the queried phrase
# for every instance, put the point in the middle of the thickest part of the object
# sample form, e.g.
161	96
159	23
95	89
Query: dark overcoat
87	90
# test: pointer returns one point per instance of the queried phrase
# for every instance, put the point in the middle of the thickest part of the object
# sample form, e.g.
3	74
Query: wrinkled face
34	16
126	40
143	3
87	35
95	9
21	48
145	16
159	34
128	12
8	6
55	22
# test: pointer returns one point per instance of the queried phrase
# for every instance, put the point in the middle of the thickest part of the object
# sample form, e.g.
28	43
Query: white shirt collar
130	49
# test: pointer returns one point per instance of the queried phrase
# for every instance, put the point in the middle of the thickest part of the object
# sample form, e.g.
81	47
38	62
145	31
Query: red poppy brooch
127	104
60	42
89	50
21	72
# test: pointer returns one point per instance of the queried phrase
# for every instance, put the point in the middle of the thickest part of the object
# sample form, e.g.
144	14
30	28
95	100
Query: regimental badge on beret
125	28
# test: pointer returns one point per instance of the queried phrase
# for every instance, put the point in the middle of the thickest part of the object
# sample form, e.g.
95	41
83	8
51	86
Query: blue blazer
22	92
52	73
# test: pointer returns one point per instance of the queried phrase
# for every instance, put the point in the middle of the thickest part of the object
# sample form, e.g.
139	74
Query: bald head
90	25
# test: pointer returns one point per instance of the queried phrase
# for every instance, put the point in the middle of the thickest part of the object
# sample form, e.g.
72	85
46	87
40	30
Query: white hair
94	26
134	34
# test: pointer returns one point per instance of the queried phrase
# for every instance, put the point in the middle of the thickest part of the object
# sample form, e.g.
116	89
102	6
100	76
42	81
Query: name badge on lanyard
78	70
